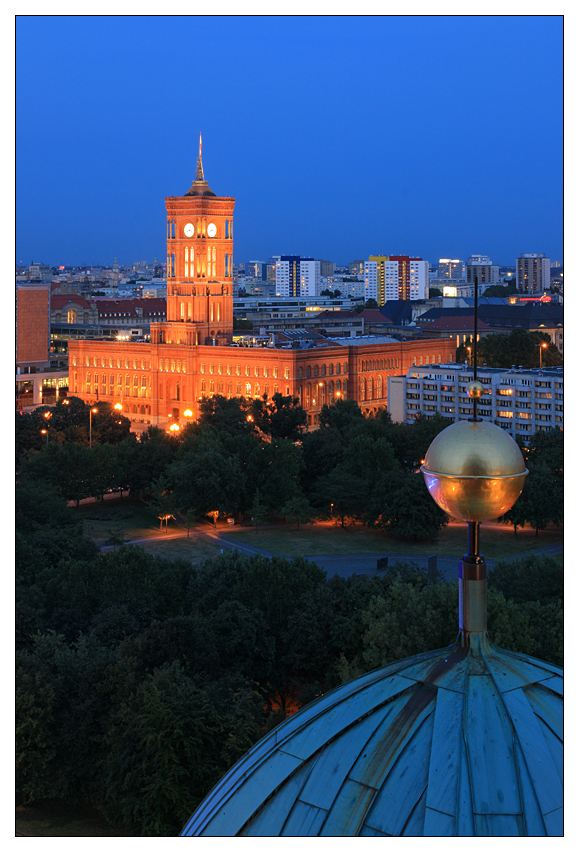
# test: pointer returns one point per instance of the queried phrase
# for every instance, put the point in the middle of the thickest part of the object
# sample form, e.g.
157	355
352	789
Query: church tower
200	262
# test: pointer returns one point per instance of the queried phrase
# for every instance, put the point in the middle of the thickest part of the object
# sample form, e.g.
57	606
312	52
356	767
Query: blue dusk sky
339	137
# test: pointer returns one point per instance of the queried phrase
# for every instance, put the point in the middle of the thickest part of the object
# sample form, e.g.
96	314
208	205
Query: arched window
426	361
370	388
379	387
362	390
299	372
323	369
248	388
308	371
316	371
331	369
338	369
420	360
308	394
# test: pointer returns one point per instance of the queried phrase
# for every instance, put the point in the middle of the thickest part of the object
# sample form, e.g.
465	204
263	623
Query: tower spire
199	175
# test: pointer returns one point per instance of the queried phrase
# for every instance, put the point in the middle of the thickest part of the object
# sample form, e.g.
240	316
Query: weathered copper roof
453	742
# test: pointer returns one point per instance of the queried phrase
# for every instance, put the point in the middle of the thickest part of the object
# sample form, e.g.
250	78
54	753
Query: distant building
356	267
533	274
326	268
521	401
256	269
453	269
39	271
32	325
482	267
297	276
395	277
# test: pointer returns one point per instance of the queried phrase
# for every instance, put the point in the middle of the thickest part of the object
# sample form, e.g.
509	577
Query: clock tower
200	261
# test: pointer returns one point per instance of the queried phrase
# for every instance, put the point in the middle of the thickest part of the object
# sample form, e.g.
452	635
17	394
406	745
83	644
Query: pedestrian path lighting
118	406
174	427
45	432
90	414
541	347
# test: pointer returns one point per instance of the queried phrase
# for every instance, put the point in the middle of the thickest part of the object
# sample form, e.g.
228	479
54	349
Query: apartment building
395	277
521	401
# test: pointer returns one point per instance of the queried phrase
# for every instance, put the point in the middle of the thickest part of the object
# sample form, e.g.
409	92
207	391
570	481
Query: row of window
223	388
382	364
367	389
212	368
322	370
426	361
136	363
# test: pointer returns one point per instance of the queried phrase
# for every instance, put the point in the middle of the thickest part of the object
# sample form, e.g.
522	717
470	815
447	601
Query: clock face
211	230
188	230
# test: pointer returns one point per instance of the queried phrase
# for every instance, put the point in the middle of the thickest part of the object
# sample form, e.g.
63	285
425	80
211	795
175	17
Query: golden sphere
475	390
474	471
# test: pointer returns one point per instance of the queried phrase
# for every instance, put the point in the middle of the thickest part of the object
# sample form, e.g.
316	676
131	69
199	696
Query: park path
346	565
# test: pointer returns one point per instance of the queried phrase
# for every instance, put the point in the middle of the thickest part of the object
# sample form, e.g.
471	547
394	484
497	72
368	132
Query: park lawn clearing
194	549
60	820
497	541
129	518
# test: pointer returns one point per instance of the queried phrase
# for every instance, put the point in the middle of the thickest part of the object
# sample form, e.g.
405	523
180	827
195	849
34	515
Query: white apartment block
521	401
297	276
388	279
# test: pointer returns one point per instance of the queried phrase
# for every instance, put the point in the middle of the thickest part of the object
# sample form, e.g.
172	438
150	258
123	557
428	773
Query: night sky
340	137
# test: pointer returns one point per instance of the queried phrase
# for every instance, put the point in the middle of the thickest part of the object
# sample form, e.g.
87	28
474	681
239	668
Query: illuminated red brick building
191	356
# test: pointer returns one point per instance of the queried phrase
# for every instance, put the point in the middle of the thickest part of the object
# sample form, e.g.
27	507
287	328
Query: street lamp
118	406
90	414
174	427
541	347
468	350
45	432
188	413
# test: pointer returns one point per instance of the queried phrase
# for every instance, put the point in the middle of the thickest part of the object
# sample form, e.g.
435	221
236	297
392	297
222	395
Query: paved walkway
344	566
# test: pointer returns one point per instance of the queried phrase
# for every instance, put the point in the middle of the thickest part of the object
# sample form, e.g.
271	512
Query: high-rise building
256	269
395	277
297	276
326	268
533	274
450	269
356	267
482	267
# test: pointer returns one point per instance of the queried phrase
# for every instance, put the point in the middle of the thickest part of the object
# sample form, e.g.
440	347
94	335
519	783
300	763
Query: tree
283	417
259	513
343	492
410	511
226	415
434	293
190	519
161	500
299	510
371	303
341	415
541	502
529	578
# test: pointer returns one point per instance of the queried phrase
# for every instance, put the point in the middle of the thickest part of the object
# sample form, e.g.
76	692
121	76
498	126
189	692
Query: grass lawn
327	539
58	820
129	517
195	549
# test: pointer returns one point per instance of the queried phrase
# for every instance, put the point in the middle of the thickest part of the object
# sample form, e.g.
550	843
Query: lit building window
275	372
257	371
202	368
287	373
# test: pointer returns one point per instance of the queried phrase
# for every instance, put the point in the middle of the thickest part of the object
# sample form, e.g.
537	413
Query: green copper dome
458	742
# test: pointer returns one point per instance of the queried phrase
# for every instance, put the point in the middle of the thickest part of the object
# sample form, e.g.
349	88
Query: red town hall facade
190	356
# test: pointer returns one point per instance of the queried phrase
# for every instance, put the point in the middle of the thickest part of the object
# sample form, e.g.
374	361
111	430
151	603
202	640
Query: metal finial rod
199	175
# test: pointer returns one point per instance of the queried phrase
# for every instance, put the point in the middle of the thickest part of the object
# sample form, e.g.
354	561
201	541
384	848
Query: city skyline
340	137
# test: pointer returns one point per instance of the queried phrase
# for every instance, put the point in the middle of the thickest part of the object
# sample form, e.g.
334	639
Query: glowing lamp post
541	347
174	427
45	432
90	414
